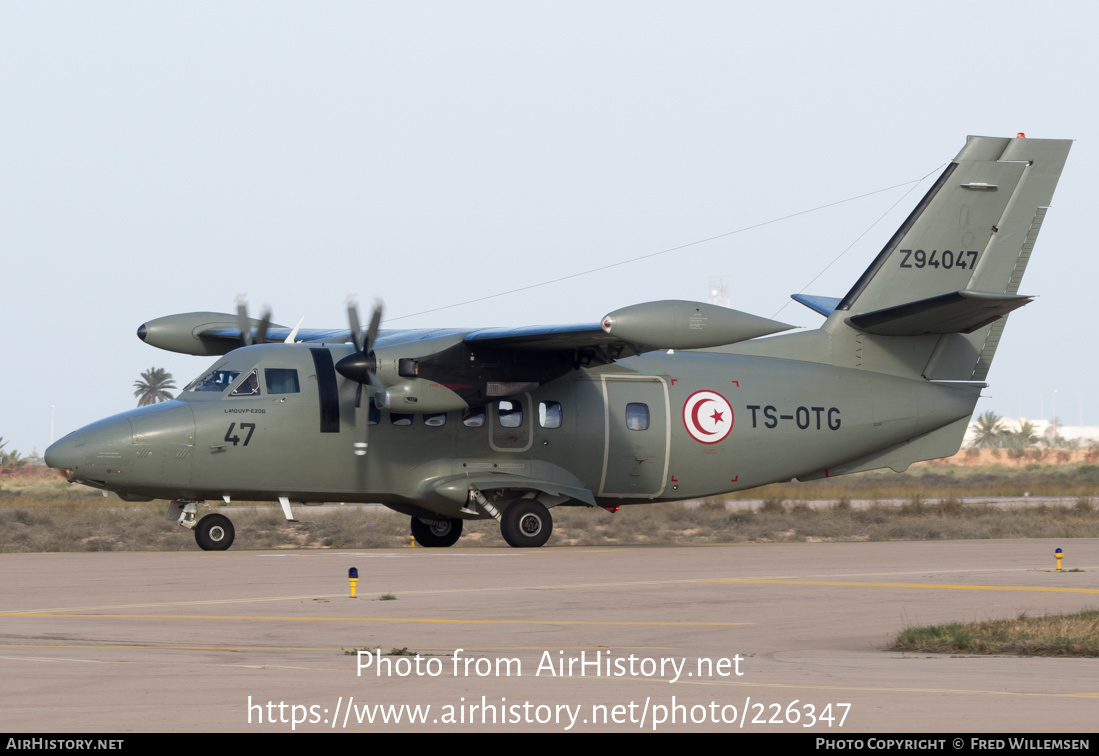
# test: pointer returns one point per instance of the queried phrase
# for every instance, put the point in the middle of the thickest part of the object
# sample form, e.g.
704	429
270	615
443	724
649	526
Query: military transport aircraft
656	402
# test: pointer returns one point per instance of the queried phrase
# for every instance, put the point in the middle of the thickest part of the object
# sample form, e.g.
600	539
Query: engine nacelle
418	395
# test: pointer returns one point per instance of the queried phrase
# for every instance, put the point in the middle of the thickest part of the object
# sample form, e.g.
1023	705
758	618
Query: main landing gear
432	533
524	523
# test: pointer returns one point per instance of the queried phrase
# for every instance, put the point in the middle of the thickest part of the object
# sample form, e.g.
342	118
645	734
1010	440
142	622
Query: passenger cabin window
281	381
510	413
217	380
549	414
474	417
400	418
249	386
637	416
435	419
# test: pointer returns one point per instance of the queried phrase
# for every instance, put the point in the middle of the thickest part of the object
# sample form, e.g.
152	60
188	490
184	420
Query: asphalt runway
133	642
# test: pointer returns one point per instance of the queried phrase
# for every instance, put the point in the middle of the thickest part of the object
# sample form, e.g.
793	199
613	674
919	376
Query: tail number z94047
945	259
805	418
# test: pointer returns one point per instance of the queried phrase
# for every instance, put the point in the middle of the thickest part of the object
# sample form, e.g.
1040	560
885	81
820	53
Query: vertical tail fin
951	272
972	229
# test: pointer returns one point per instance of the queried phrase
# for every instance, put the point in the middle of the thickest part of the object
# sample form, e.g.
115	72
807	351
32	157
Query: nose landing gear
214	532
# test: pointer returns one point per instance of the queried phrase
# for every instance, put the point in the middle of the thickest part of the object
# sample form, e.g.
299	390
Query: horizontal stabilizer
823	305
957	312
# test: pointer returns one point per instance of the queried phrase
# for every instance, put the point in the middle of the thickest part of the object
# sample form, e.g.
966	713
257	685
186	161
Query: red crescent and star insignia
707	416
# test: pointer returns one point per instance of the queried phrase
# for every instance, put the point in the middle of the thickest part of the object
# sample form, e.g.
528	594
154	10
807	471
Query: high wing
626	332
427	371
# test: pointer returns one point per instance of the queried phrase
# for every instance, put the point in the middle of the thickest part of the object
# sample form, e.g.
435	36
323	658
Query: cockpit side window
281	380
249	386
216	380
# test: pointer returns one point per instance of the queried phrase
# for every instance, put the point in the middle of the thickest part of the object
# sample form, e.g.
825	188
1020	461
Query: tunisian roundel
707	416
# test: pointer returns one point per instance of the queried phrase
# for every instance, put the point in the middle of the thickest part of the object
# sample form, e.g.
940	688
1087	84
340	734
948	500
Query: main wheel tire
526	524
436	533
214	532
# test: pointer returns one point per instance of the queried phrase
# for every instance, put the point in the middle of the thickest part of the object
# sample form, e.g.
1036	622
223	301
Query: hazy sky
163	157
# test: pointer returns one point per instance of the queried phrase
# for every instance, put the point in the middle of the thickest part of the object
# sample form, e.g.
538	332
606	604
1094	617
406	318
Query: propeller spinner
361	367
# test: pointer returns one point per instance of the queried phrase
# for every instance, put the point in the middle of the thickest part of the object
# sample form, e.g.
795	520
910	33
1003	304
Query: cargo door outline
621	390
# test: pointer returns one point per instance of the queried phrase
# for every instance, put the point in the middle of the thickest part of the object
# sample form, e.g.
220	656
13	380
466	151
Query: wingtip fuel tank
678	324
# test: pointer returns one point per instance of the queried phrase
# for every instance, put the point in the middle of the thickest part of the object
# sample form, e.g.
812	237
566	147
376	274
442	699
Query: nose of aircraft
68	453
95	445
111	453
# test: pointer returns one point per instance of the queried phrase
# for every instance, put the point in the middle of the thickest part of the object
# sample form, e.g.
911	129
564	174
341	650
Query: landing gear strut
432	533
214	532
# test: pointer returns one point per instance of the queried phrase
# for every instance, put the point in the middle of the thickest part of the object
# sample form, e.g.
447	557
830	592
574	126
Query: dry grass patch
71	526
1048	635
52	515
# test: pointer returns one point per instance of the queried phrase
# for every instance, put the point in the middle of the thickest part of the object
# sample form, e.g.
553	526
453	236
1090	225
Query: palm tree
987	433
12	458
154	386
1023	438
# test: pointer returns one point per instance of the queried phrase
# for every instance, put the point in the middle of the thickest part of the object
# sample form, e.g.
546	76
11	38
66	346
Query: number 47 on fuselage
656	402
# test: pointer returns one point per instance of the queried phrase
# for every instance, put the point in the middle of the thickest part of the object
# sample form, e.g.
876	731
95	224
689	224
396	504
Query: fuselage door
636	442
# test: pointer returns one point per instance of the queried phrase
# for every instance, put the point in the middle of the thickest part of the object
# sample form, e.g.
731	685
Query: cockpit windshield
215	380
249	386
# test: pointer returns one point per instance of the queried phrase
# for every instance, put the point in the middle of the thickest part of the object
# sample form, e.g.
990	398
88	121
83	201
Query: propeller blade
361	367
265	323
353	319
362	421
375	322
243	323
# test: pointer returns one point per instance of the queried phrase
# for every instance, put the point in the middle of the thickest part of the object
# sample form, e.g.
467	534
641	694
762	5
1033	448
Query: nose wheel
214	532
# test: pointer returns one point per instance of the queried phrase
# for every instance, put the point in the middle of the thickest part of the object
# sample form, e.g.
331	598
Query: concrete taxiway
258	641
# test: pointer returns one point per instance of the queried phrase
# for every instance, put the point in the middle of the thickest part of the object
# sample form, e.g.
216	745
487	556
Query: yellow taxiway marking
163	647
254	599
48	659
426	650
422	620
774	580
946	586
